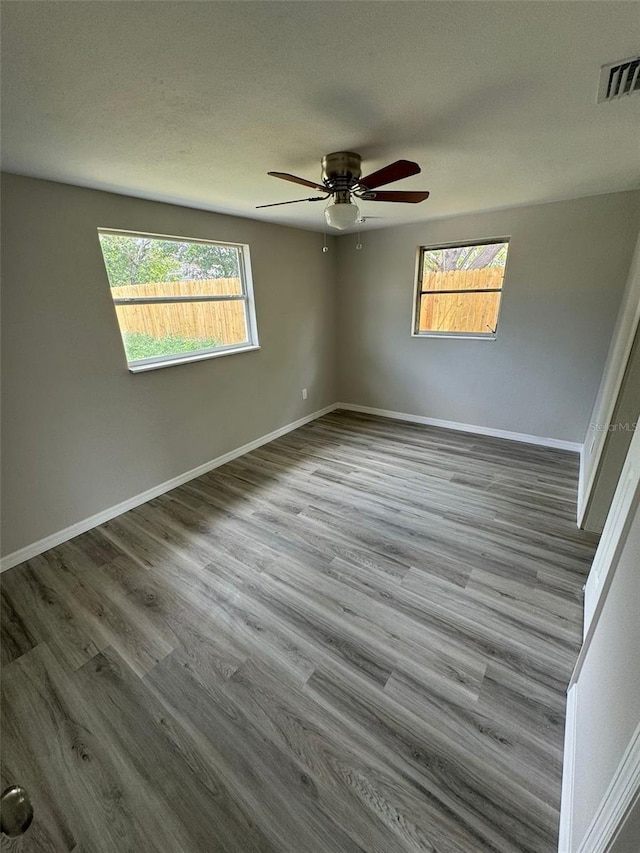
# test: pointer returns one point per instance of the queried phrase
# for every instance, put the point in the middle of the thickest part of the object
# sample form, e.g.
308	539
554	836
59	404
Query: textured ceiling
194	102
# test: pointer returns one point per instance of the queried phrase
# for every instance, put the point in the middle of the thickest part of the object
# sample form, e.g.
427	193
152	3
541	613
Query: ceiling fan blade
285	176
389	174
293	201
408	197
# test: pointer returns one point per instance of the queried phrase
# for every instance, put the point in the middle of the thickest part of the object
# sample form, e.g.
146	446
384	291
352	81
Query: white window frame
247	297
418	291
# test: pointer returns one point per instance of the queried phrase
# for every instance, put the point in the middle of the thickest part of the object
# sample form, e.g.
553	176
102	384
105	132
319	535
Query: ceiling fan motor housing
340	171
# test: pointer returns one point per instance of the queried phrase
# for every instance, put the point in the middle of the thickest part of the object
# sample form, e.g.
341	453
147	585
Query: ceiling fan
341	182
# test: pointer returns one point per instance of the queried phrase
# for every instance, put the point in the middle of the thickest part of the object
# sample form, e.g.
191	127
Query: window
459	288
178	300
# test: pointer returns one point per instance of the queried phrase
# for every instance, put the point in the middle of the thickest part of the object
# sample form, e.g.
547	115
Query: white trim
625	784
155	362
120	232
568	771
619	796
464	336
479	430
624	333
173	360
79	527
581	474
417	282
612	541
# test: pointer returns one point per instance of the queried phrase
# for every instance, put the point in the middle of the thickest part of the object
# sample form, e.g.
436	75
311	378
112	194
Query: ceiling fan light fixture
341	214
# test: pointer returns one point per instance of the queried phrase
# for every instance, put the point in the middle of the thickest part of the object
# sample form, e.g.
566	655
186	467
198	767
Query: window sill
187	359
461	336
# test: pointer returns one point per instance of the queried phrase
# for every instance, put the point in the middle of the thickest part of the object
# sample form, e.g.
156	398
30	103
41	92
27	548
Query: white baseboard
560	444
568	771
622	791
79	527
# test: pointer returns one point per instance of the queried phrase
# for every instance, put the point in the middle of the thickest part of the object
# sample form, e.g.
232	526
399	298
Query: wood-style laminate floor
356	638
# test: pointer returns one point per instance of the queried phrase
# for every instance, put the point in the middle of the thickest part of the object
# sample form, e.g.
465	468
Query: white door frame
625	783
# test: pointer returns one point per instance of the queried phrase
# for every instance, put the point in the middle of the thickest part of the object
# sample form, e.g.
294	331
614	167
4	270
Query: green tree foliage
138	260
466	257
203	260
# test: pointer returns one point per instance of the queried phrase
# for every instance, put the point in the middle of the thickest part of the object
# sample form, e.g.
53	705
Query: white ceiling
194	102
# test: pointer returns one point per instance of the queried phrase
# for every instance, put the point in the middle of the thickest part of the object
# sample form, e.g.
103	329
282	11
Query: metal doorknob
16	811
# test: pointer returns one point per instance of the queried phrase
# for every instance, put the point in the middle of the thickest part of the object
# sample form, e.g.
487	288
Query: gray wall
608	688
80	432
566	273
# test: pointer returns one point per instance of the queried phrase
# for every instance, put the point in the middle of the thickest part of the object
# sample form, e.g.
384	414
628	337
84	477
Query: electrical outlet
304	393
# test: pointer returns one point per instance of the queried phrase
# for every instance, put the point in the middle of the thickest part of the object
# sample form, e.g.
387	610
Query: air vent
619	78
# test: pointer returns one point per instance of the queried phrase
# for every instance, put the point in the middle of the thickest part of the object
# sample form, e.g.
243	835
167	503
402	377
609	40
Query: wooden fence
461	312
225	321
222	321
